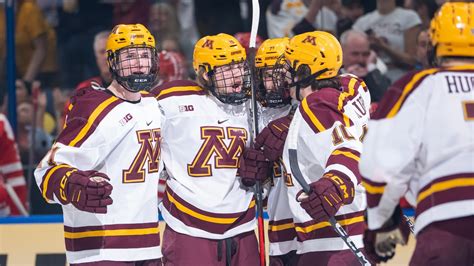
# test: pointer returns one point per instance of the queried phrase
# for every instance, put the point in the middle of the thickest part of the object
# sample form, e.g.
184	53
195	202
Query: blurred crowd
60	48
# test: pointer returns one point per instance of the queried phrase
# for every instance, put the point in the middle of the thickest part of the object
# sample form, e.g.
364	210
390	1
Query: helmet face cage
283	75
268	93
135	67
231	82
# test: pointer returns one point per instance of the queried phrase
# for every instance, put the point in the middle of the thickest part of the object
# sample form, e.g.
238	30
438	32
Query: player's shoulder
400	90
351	82
320	110
177	88
146	95
91	101
93	82
89	108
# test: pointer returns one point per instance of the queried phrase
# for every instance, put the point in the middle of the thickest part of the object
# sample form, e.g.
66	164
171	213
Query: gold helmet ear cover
132	57
452	30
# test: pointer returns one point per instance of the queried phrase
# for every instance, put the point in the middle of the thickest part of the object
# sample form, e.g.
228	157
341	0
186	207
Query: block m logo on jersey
149	151
226	156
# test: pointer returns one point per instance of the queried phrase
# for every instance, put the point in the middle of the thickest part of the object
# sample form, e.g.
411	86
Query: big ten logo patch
125	119
186	108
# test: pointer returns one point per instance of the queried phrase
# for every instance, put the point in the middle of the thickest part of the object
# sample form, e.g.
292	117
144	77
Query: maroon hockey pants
183	250
449	242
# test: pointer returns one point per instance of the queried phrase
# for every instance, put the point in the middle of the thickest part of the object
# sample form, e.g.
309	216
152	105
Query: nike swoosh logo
149	123
221	121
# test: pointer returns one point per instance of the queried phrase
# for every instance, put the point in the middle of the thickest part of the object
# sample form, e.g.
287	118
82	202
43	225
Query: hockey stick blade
296	172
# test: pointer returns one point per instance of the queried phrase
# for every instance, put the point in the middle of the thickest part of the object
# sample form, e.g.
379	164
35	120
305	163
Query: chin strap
309	78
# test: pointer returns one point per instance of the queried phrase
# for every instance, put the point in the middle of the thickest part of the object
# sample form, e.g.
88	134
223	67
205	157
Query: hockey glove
380	244
327	195
88	191
253	167
272	138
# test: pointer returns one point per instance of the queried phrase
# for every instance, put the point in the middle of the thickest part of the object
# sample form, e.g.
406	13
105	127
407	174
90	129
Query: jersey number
468	108
340	133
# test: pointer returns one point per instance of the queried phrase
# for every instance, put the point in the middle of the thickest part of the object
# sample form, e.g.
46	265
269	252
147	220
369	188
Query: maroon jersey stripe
451	188
399	92
89	108
109	227
113	242
353	223
320	110
216	223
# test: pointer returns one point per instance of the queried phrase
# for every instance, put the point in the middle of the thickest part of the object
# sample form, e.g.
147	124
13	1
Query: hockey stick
296	172
410	224
258	184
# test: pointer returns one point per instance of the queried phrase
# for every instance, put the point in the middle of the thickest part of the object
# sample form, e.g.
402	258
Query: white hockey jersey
421	144
281	230
121	139
326	132
202	143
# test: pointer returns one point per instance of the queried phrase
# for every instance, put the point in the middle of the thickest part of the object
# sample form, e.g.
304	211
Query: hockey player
210	217
420	145
327	127
275	107
104	167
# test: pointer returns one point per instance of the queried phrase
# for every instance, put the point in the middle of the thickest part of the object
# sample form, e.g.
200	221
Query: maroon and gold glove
327	195
272	138
253	167
88	191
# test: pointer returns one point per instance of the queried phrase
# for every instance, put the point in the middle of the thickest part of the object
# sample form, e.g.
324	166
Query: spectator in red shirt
11	173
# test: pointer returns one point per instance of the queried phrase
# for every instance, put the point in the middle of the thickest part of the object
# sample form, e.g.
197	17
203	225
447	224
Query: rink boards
39	240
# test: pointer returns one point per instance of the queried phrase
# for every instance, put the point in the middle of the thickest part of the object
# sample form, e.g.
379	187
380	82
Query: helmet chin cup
231	98
136	83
